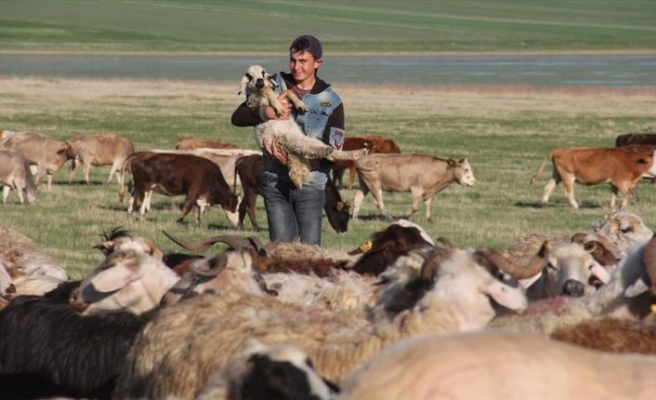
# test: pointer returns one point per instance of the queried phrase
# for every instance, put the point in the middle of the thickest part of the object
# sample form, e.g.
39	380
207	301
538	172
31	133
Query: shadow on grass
537	204
83	183
374	217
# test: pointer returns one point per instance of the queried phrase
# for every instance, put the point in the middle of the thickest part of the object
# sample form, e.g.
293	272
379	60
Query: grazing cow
249	170
46	152
15	174
199	179
628	139
420	174
99	150
225	159
194	143
620	167
375	144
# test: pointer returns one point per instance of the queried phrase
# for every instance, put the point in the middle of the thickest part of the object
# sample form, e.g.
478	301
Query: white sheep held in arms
258	86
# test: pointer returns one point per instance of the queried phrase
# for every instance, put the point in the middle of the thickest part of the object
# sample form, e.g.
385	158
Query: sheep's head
226	271
118	239
624	230
256	78
126	280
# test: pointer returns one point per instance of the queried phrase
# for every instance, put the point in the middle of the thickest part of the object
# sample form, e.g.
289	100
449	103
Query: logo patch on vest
336	138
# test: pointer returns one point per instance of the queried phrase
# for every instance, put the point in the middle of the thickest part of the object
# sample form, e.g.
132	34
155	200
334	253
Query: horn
446	243
261	250
201	246
649	261
536	264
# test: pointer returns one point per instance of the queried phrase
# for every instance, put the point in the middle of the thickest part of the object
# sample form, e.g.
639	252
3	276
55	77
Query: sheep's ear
244	81
153	250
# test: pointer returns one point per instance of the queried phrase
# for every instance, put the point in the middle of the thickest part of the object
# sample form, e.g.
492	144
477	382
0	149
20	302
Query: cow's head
338	216
463	172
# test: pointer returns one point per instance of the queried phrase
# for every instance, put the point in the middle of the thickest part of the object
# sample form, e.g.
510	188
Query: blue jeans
292	213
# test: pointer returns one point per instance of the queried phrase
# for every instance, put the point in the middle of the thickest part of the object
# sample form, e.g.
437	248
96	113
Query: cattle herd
403	315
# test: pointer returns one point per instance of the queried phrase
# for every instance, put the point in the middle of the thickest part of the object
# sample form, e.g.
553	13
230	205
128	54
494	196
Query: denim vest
312	123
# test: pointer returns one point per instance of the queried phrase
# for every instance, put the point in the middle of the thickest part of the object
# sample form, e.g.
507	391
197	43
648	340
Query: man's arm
246	116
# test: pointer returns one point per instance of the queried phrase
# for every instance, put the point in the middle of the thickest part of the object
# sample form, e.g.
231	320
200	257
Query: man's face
302	65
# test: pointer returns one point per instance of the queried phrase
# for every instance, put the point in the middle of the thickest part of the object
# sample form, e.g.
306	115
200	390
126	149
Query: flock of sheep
405	316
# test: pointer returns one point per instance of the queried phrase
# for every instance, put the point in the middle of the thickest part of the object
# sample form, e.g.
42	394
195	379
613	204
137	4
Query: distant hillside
343	25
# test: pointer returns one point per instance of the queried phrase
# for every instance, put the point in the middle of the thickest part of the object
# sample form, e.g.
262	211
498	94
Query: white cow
99	150
422	175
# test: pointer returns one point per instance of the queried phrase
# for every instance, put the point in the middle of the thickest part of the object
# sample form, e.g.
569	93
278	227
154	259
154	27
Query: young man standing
294	213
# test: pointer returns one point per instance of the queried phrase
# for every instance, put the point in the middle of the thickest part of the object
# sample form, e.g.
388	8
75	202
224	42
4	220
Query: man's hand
275	150
270	112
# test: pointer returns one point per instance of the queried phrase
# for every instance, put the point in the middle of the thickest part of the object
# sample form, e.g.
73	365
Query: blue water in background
623	71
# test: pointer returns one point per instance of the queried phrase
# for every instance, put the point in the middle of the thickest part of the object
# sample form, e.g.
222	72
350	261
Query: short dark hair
307	43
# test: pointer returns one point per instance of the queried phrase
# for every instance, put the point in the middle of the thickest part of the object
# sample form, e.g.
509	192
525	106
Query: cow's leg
357	200
416	197
549	187
568	185
19	191
86	167
5	193
428	203
377	193
49	177
116	166
144	201
352	175
71	174
148	198
186	208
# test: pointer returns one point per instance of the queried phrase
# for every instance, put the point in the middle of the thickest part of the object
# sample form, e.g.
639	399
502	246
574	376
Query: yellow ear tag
366	246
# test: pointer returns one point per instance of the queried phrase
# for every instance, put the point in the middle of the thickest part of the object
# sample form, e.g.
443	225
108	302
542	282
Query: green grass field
344	26
504	132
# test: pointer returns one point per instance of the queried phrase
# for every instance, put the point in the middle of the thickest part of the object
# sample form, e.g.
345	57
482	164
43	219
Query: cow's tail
537	173
125	166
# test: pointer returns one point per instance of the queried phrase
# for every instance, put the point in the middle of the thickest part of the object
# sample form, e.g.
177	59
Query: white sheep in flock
176	353
544	316
129	280
28	270
496	365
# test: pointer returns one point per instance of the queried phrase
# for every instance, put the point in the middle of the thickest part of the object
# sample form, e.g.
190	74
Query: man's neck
307	84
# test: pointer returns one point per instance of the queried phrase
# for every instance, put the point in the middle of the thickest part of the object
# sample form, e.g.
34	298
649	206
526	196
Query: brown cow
195	143
420	174
375	144
99	150
249	170
620	167
15	174
46	152
199	179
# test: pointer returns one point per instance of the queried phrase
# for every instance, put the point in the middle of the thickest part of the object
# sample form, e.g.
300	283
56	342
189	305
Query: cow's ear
462	160
340	205
451	163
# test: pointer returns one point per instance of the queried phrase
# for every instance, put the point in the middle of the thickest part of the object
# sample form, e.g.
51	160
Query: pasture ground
505	132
